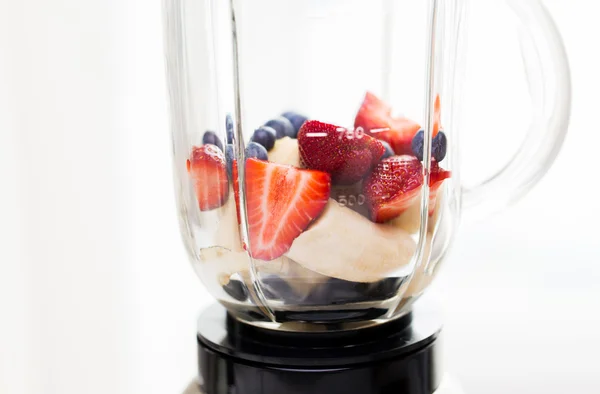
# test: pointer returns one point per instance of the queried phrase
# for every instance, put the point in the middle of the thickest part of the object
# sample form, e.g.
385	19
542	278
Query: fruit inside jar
332	214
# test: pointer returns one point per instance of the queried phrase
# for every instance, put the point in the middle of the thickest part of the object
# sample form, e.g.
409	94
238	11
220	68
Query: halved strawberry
375	117
207	169
395	185
345	154
373	114
281	203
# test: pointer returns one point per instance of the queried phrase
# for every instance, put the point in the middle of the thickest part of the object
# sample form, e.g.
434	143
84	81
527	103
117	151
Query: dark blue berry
229	128
256	151
229	159
296	119
439	146
338	291
417	144
389	152
236	289
265	136
282	126
277	288
210	137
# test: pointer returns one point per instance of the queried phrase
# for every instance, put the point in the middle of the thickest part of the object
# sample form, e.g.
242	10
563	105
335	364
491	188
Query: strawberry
393	187
395	184
373	114
207	170
375	117
345	154
282	201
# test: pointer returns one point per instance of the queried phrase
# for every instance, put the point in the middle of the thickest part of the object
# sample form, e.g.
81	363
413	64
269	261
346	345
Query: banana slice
218	264
421	279
227	234
410	220
433	219
345	245
286	152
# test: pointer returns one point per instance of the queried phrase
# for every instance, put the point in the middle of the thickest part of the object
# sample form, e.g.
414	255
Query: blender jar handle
548	76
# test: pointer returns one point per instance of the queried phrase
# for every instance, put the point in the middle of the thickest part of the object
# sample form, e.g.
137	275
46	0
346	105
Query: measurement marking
380	130
316	134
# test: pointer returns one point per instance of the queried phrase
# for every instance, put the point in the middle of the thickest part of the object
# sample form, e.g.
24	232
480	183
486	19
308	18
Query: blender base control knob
399	356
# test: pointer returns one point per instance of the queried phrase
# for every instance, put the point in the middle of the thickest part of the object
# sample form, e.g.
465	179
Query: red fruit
207	170
437	116
375	117
436	179
401	134
281	203
373	114
393	186
345	154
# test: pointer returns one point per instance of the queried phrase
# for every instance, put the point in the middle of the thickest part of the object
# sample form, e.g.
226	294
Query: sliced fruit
436	179
346	155
207	170
409	220
373	114
227	232
286	151
281	201
375	117
393	187
345	245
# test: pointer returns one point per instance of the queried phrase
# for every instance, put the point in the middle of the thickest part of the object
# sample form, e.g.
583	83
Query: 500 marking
351	200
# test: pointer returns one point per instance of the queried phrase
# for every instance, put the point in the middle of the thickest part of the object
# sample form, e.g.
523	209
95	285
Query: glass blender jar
316	151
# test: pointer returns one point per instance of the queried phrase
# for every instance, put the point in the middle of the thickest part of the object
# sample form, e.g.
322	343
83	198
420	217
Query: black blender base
398	357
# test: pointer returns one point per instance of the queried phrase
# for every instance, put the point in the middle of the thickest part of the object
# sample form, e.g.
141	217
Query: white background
96	295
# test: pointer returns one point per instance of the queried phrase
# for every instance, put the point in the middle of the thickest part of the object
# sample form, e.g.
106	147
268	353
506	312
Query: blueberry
384	289
439	146
282	126
256	151
389	152
337	291
417	144
296	119
210	137
236	289
229	159
277	288
229	128
265	136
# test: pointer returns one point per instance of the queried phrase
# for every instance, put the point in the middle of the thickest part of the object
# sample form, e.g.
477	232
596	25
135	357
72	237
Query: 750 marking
350	134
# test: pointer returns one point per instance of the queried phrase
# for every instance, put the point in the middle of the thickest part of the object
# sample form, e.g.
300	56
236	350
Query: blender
316	163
